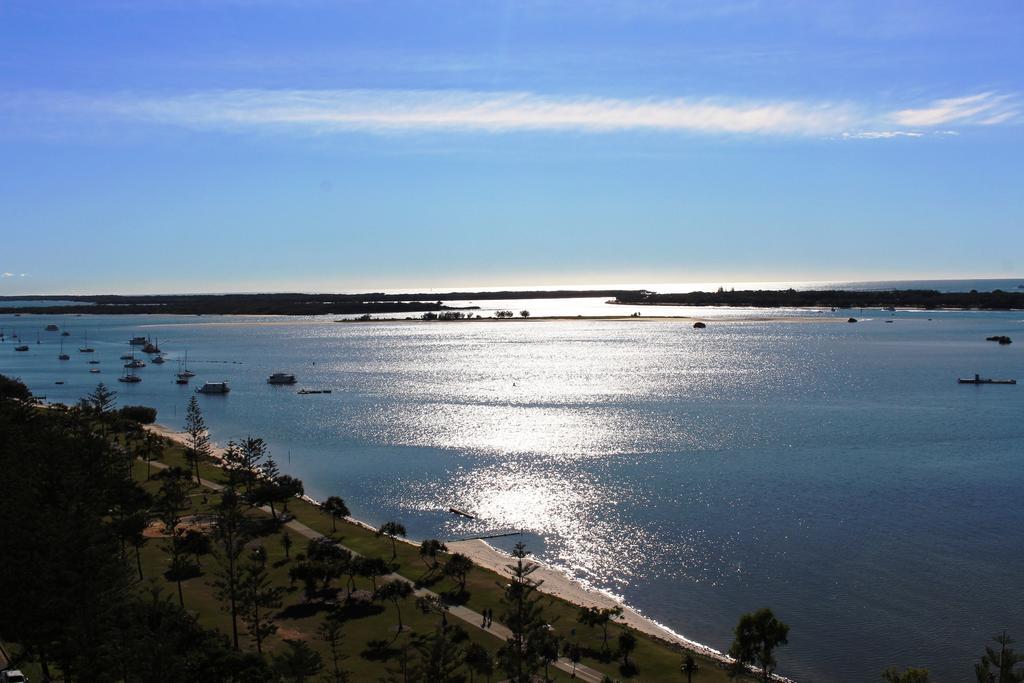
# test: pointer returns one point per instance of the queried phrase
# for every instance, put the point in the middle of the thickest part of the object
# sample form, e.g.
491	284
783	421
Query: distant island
927	299
280	304
379	302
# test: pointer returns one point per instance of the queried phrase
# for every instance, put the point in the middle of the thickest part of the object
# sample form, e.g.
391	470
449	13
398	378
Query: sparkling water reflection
834	472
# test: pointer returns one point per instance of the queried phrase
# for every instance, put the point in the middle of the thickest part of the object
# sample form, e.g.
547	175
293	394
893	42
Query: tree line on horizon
997	300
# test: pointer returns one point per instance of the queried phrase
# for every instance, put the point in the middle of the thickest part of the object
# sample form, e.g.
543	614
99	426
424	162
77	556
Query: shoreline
555	582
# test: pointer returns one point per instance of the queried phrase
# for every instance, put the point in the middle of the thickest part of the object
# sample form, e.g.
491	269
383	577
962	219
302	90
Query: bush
141	414
13	388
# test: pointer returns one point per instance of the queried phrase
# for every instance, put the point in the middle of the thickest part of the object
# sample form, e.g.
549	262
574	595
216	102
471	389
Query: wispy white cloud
382	111
985	109
882	134
392	111
6	274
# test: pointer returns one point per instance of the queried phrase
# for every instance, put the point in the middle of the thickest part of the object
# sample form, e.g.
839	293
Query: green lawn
655	660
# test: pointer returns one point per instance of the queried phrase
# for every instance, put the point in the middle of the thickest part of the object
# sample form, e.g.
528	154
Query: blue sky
246	145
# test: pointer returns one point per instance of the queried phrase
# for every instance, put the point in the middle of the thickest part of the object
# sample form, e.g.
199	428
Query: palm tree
335	507
457	567
395	590
627	643
430	549
689	667
392	530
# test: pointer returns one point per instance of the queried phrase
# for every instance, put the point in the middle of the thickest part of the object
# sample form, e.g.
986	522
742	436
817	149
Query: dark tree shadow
304	610
379	650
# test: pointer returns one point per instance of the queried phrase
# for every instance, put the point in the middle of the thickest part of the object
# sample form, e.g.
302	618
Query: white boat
214	388
281	378
135	363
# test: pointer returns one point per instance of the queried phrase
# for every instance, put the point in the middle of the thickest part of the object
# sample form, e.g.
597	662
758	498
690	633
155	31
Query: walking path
470	617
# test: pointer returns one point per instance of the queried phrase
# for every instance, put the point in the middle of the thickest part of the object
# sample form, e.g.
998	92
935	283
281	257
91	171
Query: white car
12	676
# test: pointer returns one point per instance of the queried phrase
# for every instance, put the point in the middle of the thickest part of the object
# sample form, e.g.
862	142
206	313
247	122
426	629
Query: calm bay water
834	472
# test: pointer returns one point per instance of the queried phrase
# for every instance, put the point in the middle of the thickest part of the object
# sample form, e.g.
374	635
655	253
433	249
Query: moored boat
137	341
51	328
23	347
214	388
281	378
978	379
130	377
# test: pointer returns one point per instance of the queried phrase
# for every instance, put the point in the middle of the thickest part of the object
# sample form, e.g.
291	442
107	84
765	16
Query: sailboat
182	377
86	348
129	376
186	372
63	356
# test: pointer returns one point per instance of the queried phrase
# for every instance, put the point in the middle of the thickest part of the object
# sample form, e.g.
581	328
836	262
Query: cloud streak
394	111
984	109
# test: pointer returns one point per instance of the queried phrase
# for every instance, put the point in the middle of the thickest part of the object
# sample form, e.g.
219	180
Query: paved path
473	619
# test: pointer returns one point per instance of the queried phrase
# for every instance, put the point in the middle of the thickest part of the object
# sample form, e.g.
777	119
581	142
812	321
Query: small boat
978	379
65	333
63	356
159	360
851	320
130	377
94	371
150	347
461	513
281	378
891	309
86	348
23	347
137	341
181	380
313	391
94	362
127	356
60	381
1001	338
214	388
135	363
699	325
51	328
185	372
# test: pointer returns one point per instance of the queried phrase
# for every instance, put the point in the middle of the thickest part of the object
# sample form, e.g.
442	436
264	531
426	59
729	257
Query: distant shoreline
460	304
